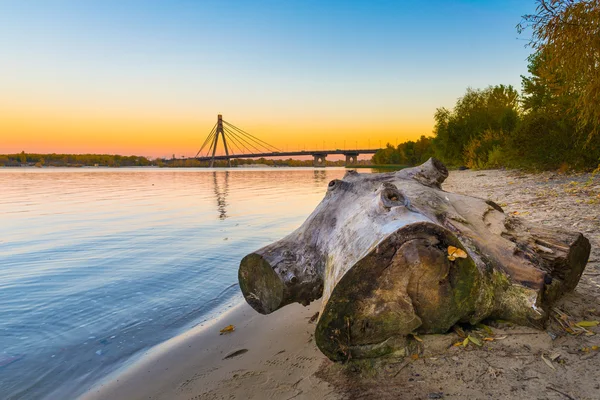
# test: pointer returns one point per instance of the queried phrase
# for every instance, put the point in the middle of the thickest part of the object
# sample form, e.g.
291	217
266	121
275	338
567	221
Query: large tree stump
377	250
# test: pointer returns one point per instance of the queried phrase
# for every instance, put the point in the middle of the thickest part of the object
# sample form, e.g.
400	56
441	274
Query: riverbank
378	166
274	356
271	356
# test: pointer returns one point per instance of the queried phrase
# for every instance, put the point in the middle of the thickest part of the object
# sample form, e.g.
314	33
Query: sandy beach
266	357
275	356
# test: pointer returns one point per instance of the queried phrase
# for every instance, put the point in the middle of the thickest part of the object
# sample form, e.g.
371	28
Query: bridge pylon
319	160
220	132
351	159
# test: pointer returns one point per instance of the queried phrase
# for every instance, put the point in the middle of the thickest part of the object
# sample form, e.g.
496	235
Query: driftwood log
378	248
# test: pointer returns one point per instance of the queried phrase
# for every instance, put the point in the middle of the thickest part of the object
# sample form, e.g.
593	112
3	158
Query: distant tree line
554	122
107	160
72	160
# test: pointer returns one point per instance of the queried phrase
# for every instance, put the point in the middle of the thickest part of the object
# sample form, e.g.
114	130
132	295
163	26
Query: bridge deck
292	153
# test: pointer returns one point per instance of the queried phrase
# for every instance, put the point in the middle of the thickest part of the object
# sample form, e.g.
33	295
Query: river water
98	265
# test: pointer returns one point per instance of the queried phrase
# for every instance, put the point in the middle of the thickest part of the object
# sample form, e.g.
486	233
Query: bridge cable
212	132
258	147
241	138
258	142
209	139
212	144
239	143
265	144
233	142
243	148
244	142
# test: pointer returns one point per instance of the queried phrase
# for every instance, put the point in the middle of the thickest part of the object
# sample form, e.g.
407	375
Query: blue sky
345	69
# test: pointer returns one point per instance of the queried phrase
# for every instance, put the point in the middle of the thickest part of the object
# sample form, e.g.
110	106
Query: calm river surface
98	265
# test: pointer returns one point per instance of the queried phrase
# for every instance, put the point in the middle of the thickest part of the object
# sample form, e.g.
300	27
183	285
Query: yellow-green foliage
460	140
407	153
62	160
485	151
565	34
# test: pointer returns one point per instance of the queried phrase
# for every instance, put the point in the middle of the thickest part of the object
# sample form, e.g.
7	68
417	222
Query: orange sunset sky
149	78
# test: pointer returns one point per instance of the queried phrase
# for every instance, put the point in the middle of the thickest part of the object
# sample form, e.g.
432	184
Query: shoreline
276	351
274	356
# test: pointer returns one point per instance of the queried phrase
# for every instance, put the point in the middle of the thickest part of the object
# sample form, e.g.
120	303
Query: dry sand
275	357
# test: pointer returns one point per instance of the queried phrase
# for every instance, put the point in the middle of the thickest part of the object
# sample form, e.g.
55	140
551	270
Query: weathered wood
376	250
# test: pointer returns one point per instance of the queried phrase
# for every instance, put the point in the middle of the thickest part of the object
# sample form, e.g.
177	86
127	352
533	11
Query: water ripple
98	265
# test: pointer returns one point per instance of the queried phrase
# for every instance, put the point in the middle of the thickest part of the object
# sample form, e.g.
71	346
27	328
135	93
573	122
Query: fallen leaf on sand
486	328
548	362
587	324
474	340
465	342
455	252
227	329
418	339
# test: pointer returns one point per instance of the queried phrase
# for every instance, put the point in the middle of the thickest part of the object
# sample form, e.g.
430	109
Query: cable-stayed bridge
249	146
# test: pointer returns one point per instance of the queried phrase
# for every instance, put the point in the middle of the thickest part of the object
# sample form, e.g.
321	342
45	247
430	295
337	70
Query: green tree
549	135
407	153
494	109
384	156
565	39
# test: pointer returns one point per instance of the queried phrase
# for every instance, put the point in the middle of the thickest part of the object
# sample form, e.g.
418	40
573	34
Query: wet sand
266	357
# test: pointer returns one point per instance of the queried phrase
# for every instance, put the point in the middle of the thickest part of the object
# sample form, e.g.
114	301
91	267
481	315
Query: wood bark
376	250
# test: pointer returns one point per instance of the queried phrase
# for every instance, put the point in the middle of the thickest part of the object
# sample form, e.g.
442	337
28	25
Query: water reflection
320	176
100	264
221	193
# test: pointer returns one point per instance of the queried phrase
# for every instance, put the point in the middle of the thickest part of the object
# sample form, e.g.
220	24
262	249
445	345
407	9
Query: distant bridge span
319	156
257	148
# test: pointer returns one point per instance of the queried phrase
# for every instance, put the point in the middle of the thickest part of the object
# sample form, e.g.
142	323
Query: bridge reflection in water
221	193
225	192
